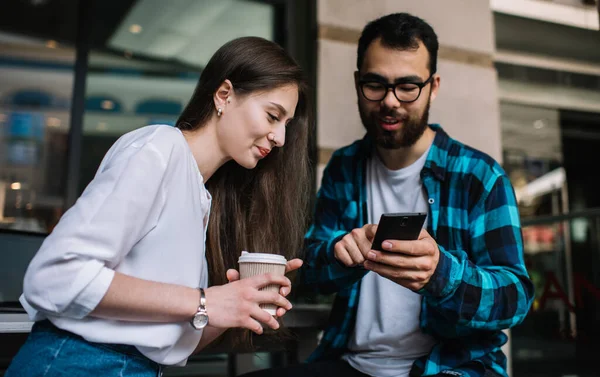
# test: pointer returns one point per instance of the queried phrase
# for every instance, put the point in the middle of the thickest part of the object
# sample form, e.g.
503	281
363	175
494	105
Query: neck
206	149
399	158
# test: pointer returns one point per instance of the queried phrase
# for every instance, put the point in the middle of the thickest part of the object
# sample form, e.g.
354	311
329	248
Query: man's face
391	123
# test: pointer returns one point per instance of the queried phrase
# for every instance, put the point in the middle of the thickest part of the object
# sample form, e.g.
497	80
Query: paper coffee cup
252	264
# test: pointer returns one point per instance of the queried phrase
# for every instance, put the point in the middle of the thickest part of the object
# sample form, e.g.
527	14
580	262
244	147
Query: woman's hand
293	264
236	304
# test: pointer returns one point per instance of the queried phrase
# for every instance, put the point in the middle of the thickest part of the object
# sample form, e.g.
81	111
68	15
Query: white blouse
144	215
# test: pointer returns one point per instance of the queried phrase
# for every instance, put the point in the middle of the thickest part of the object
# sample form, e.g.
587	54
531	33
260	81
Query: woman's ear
222	94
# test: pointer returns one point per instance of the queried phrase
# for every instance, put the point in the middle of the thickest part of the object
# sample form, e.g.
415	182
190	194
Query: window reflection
35	92
545	157
147	69
142	69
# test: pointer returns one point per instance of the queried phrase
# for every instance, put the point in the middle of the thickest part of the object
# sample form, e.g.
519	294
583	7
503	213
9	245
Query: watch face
199	321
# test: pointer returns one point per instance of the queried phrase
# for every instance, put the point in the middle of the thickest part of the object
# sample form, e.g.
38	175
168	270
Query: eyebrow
399	80
280	108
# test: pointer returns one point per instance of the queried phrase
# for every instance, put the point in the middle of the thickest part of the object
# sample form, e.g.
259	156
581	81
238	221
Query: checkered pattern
480	286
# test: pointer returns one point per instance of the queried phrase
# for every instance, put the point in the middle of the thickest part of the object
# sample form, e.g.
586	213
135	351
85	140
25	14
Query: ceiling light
15	185
135	29
51	44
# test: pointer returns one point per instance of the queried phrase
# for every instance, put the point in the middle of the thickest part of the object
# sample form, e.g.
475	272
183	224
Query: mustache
392	114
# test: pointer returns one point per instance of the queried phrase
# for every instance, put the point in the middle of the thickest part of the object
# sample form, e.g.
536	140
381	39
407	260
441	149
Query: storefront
549	94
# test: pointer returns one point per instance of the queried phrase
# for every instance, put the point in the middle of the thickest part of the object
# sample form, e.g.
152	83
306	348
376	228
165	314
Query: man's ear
435	86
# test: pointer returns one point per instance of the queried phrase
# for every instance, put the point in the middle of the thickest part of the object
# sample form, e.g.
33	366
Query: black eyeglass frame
387	87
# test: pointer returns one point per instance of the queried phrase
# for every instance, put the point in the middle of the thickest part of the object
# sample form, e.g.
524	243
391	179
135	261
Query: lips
263	151
389	123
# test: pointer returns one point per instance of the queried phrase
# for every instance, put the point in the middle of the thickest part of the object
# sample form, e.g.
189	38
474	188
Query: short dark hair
399	31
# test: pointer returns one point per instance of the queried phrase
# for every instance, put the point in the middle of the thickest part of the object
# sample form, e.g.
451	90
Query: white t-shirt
387	338
144	215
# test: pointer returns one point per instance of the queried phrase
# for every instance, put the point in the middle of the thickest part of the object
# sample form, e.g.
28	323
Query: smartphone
398	226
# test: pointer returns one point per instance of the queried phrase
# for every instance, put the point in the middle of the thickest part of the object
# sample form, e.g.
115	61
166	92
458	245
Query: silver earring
219	112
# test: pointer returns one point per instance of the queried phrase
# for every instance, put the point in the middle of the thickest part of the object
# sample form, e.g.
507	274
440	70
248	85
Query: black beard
407	136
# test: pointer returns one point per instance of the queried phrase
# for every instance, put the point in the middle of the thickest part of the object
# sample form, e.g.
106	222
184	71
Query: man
436	305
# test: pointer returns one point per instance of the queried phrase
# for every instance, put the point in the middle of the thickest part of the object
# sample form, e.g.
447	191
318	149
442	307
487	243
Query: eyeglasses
405	92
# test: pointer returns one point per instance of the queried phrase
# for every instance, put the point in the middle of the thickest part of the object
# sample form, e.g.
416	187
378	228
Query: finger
263	280
253	325
342	254
405	262
370	231
285	290
414	248
293	264
362	242
265	297
280	312
232	275
265	317
354	251
394	273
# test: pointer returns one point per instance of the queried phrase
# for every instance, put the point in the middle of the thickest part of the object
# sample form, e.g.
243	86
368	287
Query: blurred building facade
520	81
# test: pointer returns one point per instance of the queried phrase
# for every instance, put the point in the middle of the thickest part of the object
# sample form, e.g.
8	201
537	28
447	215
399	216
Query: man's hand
353	248
408	263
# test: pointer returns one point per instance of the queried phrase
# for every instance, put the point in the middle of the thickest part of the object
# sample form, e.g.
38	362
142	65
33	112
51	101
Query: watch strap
202	306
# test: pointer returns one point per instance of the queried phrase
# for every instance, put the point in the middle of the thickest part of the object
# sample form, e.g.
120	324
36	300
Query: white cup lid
247	257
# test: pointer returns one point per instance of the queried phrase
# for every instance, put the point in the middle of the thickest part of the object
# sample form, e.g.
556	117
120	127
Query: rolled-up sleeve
74	267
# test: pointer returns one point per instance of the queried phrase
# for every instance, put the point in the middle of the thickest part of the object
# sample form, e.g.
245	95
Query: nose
277	135
390	101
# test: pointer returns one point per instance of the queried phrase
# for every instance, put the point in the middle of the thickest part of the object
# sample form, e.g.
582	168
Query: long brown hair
263	209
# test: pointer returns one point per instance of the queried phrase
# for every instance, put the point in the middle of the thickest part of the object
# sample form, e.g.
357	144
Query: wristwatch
200	319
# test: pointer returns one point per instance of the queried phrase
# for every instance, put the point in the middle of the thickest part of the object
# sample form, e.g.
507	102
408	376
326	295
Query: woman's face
249	124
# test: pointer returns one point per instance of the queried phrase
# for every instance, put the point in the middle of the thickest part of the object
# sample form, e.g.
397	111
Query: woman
115	287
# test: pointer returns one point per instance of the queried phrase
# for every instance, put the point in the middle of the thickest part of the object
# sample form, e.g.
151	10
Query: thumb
232	275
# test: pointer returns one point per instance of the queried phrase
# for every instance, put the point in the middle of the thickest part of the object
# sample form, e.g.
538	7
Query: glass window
547	154
145	71
532	147
143	65
36	80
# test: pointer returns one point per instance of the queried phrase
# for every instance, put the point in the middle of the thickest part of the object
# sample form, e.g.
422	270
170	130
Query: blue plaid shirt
480	286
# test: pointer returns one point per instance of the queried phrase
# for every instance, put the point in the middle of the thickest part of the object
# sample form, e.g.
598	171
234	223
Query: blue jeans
51	352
